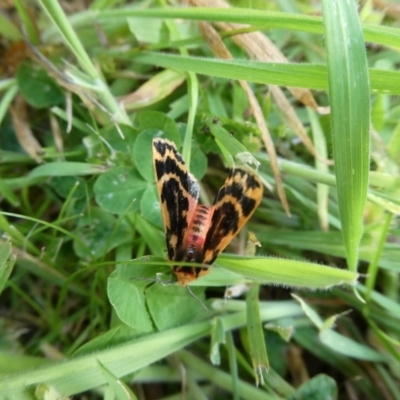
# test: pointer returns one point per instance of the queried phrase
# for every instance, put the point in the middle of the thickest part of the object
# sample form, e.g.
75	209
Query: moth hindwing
198	233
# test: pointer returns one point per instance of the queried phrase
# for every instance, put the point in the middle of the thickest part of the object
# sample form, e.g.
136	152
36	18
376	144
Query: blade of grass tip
258	350
350	117
29	24
60	20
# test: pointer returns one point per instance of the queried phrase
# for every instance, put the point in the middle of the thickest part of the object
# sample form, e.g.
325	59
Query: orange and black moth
194	232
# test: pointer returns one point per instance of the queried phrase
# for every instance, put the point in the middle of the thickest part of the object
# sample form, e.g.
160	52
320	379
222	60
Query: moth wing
178	191
233	206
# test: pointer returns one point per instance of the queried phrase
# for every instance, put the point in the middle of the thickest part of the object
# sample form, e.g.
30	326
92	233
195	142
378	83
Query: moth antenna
190	291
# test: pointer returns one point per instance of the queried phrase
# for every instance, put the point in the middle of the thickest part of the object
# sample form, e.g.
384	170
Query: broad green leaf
158	121
129	302
63	185
319	387
198	162
143	153
100	232
119	190
150	206
112	135
37	87
173	305
126	291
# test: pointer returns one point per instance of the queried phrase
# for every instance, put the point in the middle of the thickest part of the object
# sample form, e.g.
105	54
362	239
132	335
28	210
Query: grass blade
350	117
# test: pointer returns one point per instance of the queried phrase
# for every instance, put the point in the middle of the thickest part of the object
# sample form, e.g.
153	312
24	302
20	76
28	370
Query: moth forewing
234	204
178	192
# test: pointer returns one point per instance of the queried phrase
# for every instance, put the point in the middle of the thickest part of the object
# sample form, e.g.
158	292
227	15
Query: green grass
89	307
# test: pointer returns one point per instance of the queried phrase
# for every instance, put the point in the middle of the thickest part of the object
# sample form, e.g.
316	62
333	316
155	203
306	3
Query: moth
194	232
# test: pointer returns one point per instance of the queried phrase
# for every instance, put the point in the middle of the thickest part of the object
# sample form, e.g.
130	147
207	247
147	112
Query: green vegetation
89	305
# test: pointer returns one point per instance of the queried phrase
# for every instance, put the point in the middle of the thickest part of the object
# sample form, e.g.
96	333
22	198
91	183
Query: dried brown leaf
23	130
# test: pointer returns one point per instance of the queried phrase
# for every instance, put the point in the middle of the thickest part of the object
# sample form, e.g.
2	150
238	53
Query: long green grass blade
263	19
350	117
310	76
